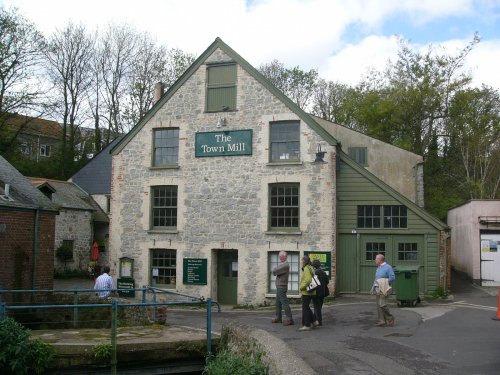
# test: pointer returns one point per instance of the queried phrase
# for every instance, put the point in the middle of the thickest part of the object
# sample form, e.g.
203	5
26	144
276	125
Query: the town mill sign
223	143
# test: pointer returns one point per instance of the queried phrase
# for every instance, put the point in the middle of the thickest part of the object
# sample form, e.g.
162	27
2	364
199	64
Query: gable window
368	216
284	206
164	207
166	147
163	267
359	155
45	150
285	141
293	277
374	248
395	217
221	88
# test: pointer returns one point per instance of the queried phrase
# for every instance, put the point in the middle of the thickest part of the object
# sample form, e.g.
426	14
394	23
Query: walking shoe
305	328
390	323
288	322
276	320
316	323
379	324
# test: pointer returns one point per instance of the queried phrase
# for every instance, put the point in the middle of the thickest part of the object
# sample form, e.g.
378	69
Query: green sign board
126	283
223	143
195	271
325	258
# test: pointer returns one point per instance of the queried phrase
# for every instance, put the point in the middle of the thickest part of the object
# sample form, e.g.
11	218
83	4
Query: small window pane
285	141
374	248
284	205
163	267
164	206
408	251
293	277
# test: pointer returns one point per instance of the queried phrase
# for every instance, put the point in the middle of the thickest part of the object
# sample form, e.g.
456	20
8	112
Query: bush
227	362
20	354
64	253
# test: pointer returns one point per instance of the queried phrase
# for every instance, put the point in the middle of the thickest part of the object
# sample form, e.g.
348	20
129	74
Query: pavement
456	335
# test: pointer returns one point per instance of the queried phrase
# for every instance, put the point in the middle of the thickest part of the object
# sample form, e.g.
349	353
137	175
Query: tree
295	83
21	54
69	55
335	102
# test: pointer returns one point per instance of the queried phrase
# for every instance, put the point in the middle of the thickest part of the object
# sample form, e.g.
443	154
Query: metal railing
113	305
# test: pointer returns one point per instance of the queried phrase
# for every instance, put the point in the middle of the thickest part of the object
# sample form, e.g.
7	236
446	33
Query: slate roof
35	126
95	176
22	194
67	195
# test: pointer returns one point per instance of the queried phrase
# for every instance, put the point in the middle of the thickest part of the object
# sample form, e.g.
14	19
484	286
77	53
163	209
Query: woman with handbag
321	292
305	280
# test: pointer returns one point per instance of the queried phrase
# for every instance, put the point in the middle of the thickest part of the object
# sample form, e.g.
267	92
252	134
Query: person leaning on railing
104	284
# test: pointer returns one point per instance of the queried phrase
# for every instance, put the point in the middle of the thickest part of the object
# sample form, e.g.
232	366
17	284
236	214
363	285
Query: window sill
172	166
163	231
281	163
294	233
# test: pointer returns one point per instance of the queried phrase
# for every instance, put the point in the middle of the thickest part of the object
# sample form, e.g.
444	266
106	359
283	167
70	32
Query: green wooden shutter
221	88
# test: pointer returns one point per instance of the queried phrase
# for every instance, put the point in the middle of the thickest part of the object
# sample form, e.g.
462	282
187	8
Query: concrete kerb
277	355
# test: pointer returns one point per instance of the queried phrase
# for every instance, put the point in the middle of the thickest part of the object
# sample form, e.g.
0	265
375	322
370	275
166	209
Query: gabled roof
35	126
22	194
419	211
218	43
67	195
95	176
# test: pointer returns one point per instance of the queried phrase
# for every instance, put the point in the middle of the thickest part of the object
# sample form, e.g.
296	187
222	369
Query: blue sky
340	38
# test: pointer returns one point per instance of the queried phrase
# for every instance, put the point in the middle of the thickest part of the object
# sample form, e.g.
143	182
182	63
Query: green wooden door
347	264
227	277
370	246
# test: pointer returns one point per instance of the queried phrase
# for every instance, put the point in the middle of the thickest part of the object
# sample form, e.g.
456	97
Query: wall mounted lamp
320	155
221	121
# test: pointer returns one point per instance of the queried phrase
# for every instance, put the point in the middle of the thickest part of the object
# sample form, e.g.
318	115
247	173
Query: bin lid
406	269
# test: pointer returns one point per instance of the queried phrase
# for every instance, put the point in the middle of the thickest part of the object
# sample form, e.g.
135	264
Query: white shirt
104	282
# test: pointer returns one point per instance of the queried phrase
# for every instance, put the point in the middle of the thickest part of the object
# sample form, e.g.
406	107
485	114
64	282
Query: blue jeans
282	302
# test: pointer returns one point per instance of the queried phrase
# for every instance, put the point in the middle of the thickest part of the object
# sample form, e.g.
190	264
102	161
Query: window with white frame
45	150
293	277
284	206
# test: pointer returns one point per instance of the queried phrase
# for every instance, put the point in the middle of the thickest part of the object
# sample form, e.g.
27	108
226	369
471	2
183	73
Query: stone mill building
225	171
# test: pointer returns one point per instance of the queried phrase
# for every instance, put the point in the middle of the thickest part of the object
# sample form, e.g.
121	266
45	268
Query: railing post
2	311
75	309
114	323
209	328
154	307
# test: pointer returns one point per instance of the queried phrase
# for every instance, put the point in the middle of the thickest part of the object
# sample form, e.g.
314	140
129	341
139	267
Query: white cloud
308	33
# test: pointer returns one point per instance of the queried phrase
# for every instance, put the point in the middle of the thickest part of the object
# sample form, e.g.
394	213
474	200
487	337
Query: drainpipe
35	248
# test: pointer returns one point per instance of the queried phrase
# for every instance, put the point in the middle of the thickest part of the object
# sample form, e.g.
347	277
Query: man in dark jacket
321	292
281	271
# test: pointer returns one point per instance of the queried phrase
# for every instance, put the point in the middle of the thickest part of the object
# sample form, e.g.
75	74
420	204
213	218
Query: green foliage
227	362
102	351
20	354
64	253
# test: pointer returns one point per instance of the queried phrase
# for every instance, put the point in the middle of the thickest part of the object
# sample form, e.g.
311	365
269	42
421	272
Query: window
284	206
395	217
166	146
221	88
66	250
45	150
25	149
164	206
359	155
163	267
368	216
285	141
293	278
407	251
374	248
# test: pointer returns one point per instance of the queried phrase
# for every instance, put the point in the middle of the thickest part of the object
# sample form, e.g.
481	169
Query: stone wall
222	201
74	225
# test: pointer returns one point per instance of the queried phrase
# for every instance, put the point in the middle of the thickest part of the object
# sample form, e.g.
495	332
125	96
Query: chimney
7	190
158	92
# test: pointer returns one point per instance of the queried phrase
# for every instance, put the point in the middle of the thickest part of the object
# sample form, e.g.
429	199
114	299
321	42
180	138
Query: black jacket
322	290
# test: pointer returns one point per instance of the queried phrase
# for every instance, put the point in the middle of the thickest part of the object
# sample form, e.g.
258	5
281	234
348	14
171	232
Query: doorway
490	258
227	276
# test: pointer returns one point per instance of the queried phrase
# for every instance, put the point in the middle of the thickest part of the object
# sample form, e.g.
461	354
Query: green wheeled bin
406	285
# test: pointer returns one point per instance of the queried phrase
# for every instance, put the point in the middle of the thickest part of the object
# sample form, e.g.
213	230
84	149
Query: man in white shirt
104	284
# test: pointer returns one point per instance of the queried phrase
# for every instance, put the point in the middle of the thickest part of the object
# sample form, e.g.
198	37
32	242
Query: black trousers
307	314
318	305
